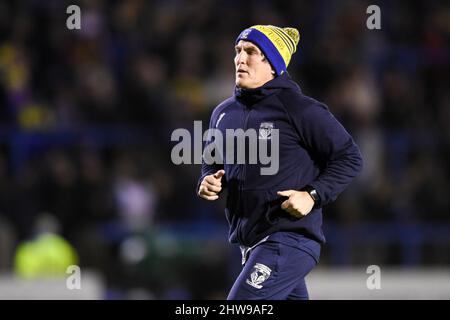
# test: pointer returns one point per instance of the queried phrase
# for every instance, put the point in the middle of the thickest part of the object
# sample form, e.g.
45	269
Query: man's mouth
241	72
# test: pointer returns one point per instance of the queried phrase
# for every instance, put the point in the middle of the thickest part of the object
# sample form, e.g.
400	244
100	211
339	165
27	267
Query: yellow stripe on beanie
285	40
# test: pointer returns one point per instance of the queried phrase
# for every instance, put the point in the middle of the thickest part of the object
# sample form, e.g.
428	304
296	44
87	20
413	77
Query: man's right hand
211	186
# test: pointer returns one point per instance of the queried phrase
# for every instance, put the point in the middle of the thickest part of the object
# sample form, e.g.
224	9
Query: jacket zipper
242	173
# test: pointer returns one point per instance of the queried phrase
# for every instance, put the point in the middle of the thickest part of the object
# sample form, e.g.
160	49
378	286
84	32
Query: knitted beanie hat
277	44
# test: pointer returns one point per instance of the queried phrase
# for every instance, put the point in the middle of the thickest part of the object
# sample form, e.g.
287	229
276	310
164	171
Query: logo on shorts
265	130
260	274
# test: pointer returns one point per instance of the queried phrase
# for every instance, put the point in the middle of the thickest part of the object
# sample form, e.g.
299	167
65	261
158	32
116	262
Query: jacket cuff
317	197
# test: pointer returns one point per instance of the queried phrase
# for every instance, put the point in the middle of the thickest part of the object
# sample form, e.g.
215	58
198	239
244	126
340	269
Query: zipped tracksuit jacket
314	150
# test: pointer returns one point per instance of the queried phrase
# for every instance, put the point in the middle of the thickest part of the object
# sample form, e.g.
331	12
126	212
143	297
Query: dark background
86	117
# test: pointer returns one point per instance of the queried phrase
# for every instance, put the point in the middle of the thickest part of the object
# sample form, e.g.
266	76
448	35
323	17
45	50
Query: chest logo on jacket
265	130
220	118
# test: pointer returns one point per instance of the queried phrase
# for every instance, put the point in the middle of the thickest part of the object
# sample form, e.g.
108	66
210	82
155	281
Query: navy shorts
276	269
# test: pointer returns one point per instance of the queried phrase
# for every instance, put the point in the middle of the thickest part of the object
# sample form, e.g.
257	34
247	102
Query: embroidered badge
220	118
265	130
260	274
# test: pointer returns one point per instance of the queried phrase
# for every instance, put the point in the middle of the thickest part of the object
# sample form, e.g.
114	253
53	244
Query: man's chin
241	84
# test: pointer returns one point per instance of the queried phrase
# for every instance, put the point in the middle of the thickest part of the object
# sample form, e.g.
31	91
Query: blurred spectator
136	200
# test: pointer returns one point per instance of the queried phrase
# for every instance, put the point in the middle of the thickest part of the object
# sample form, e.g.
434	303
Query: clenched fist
299	203
211	186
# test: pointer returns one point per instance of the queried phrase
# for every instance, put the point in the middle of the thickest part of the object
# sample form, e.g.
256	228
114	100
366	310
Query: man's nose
241	58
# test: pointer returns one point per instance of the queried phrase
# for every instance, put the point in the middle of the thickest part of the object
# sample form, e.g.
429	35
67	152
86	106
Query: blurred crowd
86	115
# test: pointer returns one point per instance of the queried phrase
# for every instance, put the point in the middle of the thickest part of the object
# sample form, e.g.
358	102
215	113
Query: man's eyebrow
250	48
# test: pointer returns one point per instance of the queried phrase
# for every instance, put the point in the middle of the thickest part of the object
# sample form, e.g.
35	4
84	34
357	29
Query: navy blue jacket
314	150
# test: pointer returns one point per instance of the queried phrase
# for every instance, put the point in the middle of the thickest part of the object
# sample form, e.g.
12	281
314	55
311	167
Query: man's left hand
299	203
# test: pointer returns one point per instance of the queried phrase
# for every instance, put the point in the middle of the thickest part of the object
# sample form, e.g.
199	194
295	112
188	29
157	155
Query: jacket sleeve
208	169
328	141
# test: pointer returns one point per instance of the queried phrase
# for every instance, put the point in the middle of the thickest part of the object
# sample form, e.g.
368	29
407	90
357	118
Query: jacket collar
251	96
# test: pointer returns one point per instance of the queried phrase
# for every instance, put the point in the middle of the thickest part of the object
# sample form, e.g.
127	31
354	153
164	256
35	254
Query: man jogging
276	219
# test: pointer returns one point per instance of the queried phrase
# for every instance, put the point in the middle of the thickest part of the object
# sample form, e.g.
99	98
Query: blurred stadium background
85	123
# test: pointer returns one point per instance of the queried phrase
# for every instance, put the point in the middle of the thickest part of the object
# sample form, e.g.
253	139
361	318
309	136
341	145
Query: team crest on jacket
260	274
265	130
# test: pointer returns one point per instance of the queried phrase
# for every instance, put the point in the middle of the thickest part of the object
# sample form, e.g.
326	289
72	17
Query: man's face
252	69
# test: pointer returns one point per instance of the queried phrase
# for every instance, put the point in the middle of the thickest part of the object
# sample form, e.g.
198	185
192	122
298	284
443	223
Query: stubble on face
252	68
